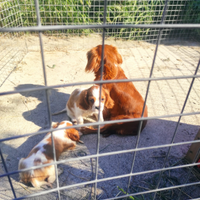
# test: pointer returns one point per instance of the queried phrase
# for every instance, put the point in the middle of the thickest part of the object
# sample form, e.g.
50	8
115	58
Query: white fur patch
29	162
96	93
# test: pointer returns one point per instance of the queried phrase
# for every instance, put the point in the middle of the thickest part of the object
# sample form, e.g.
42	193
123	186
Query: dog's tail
62	111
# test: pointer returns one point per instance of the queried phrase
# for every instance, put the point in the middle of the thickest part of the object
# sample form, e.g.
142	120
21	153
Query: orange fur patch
73	134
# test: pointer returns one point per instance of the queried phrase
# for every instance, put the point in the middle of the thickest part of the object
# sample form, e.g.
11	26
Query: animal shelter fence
161	21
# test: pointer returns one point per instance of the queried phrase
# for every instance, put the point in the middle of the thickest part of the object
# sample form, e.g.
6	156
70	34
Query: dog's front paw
74	122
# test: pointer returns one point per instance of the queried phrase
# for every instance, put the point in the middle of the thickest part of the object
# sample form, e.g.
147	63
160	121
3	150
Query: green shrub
68	12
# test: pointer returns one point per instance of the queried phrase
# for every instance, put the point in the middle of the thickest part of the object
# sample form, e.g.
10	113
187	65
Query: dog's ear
112	56
109	103
73	134
83	100
94	60
110	71
55	124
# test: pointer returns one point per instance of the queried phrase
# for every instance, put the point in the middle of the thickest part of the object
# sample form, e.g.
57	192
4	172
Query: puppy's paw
79	131
74	122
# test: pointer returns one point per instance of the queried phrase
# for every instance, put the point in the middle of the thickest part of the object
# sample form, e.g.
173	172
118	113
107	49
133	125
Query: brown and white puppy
42	153
85	102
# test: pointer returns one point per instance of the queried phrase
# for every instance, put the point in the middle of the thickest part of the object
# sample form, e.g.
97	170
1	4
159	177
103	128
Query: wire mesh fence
144	167
58	12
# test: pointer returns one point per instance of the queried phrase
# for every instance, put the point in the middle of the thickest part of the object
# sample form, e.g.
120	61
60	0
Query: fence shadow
156	132
39	115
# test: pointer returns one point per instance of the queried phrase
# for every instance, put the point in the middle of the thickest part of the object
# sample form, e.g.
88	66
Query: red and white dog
42	153
85	102
128	102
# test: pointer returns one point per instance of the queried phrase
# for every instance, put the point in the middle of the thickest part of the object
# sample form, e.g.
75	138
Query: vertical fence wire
49	112
6	170
20	14
189	173
101	76
176	128
147	91
47	94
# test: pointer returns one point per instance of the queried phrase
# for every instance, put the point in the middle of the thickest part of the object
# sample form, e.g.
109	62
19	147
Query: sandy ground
65	60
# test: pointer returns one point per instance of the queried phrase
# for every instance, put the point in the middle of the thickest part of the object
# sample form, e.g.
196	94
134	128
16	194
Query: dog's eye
92	100
102	99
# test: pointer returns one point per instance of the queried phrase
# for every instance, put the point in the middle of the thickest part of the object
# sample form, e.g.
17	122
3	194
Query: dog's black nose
96	107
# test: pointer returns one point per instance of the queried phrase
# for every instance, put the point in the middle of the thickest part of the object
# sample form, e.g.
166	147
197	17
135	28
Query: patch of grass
130	197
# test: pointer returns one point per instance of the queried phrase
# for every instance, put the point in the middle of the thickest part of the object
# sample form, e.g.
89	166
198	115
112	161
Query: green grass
130	197
67	12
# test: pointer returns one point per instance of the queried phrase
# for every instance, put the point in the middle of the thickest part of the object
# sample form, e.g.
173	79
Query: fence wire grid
151	23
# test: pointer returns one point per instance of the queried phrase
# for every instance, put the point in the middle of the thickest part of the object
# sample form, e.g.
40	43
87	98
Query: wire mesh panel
58	12
10	14
43	58
11	52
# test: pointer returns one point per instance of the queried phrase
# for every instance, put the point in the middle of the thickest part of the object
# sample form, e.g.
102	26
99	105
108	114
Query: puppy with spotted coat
42	153
85	102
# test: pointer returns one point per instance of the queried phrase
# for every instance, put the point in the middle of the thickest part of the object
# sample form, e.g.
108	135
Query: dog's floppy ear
109	103
83	100
55	124
110	71
93	63
111	55
73	134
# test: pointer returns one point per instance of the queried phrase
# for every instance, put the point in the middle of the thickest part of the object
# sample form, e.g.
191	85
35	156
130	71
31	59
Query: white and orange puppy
42	153
85	102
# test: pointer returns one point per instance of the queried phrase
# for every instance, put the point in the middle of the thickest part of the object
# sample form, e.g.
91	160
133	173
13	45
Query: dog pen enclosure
43	55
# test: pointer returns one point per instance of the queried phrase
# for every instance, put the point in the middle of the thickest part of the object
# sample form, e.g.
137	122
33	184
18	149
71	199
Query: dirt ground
65	60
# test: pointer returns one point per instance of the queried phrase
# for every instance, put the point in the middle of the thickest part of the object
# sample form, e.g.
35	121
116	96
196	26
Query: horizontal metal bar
99	26
99	123
194	198
106	154
112	178
98	82
157	190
